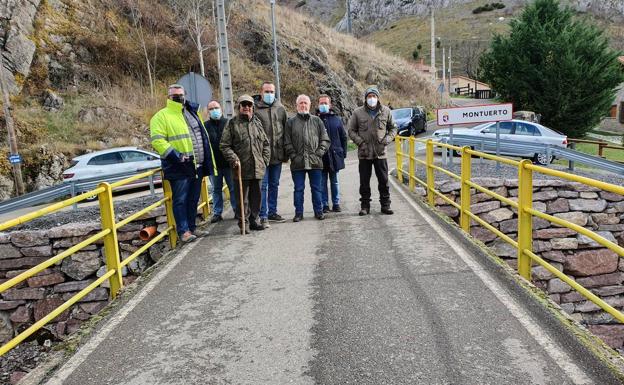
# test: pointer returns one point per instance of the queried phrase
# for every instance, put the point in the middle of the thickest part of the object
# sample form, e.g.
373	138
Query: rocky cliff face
372	15
16	24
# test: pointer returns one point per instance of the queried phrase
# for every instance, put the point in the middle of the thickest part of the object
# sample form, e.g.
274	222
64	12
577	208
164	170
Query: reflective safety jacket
171	138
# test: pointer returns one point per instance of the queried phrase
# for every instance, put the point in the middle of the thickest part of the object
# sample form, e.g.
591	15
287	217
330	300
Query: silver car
512	130
107	163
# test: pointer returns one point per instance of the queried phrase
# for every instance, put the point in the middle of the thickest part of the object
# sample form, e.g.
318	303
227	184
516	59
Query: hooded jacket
372	131
333	160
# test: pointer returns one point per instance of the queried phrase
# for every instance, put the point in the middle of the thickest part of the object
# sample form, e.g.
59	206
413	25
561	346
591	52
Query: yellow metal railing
108	234
526	212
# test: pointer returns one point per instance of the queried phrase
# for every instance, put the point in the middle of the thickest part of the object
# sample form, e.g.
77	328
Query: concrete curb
588	351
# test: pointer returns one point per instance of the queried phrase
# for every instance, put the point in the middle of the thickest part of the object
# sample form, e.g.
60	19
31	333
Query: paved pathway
349	300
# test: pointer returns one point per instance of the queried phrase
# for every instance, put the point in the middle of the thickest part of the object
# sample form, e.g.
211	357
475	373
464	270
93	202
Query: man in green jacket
372	128
246	147
273	117
305	143
179	136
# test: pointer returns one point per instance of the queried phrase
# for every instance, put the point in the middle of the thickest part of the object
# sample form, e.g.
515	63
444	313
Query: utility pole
221	90
8	121
275	57
433	69
224	61
450	68
349	31
444	66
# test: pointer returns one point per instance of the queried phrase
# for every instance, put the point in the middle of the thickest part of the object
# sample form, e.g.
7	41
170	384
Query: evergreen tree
556	65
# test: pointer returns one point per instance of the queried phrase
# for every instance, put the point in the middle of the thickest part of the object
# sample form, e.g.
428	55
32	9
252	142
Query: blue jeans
217	190
270	183
185	199
315	185
335	190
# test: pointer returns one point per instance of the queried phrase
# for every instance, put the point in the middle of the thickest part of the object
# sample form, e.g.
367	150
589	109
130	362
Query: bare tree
192	15
466	55
150	64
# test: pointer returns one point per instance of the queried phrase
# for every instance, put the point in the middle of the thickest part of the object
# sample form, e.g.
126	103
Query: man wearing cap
273	116
246	147
179	136
215	125
372	128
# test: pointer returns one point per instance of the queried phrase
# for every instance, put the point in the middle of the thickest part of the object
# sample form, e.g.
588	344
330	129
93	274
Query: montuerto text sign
475	114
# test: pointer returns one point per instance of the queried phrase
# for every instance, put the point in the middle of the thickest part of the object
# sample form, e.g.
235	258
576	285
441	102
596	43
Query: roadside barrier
526	212
108	234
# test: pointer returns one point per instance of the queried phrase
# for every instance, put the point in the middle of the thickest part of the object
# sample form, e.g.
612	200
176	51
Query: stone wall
31	300
590	264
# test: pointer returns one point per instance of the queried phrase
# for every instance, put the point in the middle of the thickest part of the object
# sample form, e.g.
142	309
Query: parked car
410	120
106	163
513	130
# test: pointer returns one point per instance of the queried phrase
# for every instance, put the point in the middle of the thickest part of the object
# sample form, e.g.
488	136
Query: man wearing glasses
246	147
215	125
180	138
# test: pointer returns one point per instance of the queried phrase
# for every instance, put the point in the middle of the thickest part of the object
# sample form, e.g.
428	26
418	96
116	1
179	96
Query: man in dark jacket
273	117
246	147
180	138
305	142
333	160
215	125
372	128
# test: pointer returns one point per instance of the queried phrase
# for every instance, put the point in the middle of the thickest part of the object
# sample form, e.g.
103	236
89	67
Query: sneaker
201	233
264	223
187	237
325	209
387	211
216	218
298	218
319	216
255	226
364	211
336	209
276	218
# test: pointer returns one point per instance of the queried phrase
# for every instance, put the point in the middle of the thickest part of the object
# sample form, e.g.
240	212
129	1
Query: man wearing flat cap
246	147
372	128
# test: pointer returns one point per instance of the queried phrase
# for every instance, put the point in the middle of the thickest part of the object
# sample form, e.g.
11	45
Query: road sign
475	114
14	159
198	89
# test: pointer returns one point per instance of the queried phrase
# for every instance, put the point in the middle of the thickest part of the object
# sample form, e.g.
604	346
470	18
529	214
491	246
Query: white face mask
372	102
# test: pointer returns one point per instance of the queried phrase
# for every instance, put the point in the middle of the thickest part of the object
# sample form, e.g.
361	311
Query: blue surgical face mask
215	114
323	108
268	98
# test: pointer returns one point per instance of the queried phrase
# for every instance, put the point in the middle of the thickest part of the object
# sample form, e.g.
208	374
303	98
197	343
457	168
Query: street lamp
275	57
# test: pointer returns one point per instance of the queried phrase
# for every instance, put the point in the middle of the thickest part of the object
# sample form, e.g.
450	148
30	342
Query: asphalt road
348	300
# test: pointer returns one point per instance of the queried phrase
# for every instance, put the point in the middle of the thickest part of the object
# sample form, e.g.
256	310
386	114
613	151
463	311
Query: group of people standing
255	143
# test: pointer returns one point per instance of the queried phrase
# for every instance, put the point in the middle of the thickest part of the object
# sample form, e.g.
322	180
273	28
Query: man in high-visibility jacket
180	138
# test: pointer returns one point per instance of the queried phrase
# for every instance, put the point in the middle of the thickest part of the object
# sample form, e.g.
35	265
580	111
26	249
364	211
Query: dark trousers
185	193
251	199
381	171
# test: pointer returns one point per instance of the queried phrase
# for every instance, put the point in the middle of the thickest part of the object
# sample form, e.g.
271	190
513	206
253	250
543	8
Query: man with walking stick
246	147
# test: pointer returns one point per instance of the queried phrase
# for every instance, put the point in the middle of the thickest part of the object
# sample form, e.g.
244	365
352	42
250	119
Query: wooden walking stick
240	198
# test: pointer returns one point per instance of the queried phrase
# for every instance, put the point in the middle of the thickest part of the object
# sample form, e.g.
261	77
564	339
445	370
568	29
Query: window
135	156
105	159
505	128
526	129
403	113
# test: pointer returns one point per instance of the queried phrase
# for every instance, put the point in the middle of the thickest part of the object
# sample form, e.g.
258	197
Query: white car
512	130
106	163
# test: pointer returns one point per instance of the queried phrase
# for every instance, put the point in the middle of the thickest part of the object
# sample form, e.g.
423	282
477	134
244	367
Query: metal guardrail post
204	198
525	219
111	246
398	150
151	184
571	162
412	165
72	189
464	219
430	173
173	235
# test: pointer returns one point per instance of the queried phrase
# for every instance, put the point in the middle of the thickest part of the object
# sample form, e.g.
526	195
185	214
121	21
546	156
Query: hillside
85	84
